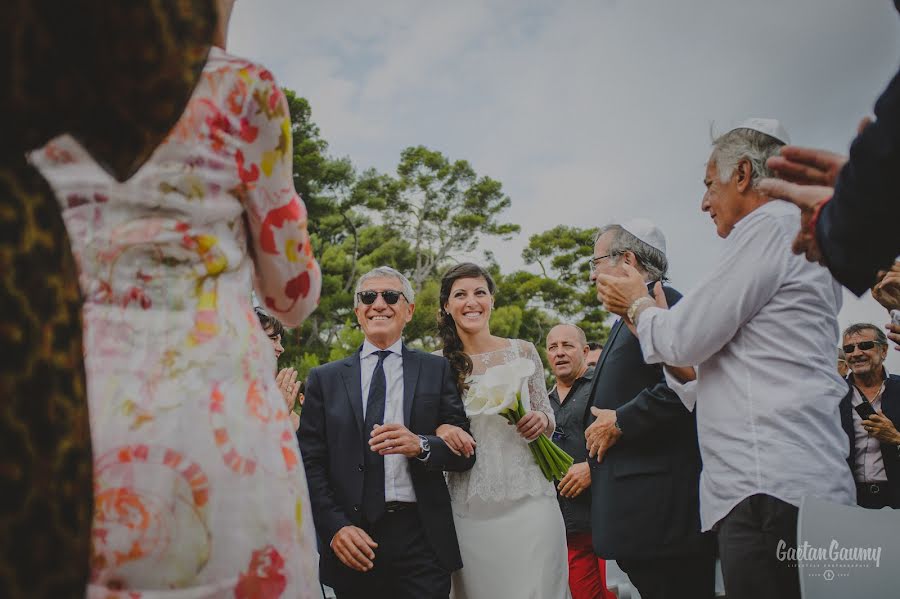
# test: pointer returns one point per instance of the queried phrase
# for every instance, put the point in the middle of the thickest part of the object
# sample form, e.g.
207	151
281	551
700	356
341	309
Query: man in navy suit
874	441
373	462
645	480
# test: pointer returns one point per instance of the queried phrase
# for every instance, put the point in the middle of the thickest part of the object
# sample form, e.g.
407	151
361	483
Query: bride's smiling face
470	304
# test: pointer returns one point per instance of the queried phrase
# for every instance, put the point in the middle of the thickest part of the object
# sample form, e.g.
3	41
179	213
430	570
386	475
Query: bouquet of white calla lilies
499	391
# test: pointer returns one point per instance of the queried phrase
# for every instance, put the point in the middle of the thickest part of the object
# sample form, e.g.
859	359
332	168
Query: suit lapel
411	364
612	339
353	384
603	355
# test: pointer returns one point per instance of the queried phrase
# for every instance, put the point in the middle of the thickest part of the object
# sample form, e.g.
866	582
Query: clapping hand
807	166
809	199
286	380
618	292
806	179
457	440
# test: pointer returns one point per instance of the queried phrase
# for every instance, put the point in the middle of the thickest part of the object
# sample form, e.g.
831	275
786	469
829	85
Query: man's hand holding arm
452	412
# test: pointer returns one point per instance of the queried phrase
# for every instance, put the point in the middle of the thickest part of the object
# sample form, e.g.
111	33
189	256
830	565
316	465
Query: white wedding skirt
511	549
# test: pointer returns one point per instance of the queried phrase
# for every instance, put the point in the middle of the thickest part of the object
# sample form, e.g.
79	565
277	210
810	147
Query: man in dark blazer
373	462
645	461
874	441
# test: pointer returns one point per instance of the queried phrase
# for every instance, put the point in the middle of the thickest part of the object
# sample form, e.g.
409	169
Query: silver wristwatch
424	449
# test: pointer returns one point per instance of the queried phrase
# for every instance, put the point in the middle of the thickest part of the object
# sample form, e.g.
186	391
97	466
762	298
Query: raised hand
809	198
619	292
887	290
807	166
286	379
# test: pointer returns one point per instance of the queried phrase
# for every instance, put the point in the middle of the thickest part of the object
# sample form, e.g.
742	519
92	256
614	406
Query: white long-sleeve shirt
762	329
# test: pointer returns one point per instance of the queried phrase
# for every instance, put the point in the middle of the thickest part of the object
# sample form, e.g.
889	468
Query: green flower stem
553	461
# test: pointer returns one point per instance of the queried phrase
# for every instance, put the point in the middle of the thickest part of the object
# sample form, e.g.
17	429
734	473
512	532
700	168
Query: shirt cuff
687	392
645	334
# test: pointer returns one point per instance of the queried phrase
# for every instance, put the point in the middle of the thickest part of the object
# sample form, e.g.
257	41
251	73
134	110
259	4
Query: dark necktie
373	479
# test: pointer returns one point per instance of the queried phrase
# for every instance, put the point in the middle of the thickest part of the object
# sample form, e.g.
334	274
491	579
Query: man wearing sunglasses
373	462
874	439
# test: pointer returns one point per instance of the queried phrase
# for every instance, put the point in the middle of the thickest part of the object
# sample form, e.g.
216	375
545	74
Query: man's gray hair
653	261
859	327
744	144
385	272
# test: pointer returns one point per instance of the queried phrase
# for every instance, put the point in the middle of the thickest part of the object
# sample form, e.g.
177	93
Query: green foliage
419	220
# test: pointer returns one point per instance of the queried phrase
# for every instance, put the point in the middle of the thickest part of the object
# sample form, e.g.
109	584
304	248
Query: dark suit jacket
645	492
890	406
332	444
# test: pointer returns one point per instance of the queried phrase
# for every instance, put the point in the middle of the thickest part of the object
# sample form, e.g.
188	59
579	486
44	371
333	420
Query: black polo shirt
569	436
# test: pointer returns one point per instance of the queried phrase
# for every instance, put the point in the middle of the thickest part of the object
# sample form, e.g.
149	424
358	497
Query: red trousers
587	572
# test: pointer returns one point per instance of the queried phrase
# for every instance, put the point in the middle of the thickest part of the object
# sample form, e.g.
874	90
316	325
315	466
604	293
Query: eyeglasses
594	261
390	296
862	345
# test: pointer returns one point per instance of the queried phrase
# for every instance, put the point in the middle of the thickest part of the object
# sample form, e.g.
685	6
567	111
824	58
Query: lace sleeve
537	387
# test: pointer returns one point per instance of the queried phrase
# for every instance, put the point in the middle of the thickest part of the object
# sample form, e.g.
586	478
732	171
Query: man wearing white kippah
645	469
761	329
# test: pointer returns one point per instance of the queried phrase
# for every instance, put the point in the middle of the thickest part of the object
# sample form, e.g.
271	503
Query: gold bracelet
636	305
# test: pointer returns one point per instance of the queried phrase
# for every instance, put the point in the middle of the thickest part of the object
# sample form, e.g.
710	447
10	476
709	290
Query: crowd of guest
692	434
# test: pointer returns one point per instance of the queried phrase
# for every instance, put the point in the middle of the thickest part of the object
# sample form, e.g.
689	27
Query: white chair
618	582
847	551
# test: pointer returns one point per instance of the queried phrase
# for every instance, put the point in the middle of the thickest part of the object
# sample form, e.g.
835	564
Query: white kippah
771	127
647	232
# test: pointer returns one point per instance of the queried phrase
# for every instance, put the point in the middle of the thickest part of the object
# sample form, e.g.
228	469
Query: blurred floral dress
199	486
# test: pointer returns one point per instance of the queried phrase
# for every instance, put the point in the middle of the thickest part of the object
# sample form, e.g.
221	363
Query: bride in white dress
510	529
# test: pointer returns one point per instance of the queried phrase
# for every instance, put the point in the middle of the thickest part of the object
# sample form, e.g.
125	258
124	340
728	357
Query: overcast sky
587	111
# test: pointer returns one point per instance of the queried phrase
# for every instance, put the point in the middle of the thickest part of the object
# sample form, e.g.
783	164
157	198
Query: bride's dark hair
460	362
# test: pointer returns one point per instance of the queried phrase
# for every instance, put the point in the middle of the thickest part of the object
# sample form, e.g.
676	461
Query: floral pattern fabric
200	489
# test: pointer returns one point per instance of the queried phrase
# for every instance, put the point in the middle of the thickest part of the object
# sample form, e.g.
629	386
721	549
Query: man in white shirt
760	328
373	462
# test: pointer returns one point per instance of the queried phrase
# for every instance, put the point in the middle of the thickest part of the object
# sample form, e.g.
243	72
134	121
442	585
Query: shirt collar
588	375
369	348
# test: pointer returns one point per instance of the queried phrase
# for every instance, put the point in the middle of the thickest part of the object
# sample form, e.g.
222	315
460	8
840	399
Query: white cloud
585	110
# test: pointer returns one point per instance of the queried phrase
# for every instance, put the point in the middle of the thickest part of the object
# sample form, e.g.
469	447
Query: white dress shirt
762	329
868	466
397	481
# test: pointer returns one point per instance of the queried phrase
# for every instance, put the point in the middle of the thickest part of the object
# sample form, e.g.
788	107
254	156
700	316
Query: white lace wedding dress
510	529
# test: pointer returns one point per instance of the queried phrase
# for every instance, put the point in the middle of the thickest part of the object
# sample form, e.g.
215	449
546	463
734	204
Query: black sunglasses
862	345
390	296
